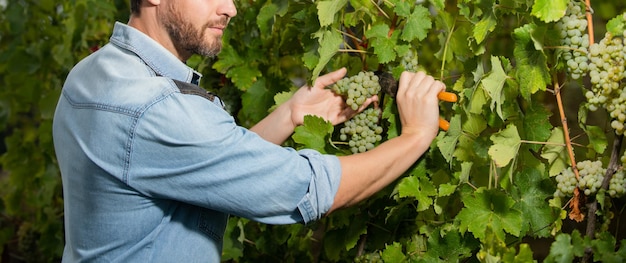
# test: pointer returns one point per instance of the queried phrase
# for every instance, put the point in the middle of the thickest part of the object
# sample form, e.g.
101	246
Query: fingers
418	85
329	78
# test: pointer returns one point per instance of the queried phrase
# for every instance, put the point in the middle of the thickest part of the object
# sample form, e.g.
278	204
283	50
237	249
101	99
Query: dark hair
134	6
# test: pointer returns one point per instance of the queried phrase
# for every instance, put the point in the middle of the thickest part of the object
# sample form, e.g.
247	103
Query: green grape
409	61
566	182
362	131
358	88
617	185
572	28
607	64
369	258
591	176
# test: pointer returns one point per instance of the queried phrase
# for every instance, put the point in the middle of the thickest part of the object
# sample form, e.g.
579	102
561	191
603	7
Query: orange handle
443	124
447	96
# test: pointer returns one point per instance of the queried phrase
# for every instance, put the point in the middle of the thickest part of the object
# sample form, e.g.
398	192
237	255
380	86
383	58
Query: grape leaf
327	10
402	9
393	253
531	191
418	186
617	25
490	208
417	25
242	72
265	19
532	68
313	133
597	138
494	84
257	100
565	248
329	41
486	25
506	145
555	152
448	140
383	44
604	247
536	125
549	10
447	247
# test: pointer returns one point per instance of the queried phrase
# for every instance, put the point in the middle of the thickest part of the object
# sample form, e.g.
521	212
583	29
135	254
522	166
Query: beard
189	39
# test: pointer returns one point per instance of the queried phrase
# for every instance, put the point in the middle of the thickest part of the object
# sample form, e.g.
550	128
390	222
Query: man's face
196	27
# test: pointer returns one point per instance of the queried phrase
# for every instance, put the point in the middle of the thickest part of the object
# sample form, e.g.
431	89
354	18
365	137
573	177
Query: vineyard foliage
490	189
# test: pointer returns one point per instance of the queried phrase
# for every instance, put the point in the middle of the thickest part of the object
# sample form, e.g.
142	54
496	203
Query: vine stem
575	213
445	50
593	206
588	14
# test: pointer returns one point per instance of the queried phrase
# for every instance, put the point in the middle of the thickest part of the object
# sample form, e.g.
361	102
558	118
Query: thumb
329	78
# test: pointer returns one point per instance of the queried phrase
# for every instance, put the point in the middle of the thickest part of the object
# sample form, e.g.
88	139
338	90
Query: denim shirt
150	173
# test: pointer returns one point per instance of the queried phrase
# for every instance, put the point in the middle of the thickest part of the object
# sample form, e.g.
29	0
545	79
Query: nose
228	8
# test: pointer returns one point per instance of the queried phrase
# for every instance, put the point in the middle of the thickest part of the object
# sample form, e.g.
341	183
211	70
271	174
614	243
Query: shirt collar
161	60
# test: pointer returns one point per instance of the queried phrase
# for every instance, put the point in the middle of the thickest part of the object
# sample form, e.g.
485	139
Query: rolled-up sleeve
187	149
322	188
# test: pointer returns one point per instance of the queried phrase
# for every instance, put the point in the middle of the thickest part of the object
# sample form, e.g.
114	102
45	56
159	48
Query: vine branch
593	206
575	213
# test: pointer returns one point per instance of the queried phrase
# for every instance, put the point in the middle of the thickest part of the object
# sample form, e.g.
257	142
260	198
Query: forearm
367	173
277	126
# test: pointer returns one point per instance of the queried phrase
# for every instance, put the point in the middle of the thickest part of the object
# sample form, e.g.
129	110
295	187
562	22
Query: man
152	165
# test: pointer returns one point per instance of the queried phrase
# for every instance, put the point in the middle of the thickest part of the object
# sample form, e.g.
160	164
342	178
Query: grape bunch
617	185
566	182
606	71
369	258
591	175
358	88
362	131
573	27
409	61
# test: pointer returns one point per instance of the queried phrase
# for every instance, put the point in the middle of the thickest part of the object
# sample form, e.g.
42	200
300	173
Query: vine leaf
506	145
417	25
490	208
531	193
555	152
566	247
536	125
329	41
312	134
326	11
393	253
418	186
549	10
597	138
617	25
532	67
241	70
447	143
383	44
494	85
484	26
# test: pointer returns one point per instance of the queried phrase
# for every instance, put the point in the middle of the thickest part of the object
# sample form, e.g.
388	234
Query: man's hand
322	102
